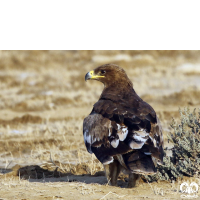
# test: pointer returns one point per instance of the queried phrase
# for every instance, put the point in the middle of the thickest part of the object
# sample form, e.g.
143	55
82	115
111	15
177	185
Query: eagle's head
109	74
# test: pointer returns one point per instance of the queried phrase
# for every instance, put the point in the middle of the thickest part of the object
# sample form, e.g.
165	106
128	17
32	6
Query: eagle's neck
117	91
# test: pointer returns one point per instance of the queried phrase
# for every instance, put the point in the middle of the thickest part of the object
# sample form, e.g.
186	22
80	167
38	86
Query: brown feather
121	123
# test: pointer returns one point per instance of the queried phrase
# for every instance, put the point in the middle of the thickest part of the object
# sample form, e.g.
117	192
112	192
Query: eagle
122	130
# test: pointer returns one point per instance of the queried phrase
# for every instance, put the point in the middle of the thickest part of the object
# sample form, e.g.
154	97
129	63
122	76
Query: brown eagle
123	131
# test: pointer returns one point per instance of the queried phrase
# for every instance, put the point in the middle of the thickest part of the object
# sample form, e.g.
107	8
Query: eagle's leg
133	180
112	171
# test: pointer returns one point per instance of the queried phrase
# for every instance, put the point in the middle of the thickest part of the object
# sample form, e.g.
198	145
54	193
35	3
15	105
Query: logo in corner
189	190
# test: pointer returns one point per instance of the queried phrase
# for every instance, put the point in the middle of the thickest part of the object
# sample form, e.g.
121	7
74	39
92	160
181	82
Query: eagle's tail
139	163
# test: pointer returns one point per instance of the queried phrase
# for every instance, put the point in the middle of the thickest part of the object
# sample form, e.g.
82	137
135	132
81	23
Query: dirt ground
43	102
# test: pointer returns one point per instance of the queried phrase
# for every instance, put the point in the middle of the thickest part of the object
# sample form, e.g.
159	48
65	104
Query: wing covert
143	130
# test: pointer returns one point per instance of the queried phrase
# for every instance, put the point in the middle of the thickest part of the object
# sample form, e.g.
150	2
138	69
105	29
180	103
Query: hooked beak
91	75
88	76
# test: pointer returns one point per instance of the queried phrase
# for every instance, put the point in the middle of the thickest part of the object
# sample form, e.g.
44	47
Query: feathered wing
102	137
115	129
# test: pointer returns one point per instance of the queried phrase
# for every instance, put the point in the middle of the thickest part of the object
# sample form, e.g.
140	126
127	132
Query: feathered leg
112	171
133	180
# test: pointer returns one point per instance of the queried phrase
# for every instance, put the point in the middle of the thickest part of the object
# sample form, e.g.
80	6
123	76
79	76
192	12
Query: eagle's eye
103	71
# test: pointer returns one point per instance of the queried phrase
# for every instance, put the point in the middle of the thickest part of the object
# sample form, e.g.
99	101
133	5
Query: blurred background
44	99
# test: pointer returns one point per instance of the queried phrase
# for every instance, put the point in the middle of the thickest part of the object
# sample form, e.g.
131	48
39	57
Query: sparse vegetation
43	102
185	159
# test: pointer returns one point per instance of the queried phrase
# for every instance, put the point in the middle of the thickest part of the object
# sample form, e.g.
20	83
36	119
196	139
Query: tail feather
139	163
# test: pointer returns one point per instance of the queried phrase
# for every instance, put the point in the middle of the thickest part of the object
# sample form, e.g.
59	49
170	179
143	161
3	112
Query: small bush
185	160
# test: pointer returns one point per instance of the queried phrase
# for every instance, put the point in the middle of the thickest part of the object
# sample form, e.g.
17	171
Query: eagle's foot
133	180
112	171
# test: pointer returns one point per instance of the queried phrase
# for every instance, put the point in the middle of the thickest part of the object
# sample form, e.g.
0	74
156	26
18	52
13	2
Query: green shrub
185	160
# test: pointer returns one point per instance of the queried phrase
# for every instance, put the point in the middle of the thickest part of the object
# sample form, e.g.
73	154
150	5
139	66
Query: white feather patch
108	162
118	126
139	138
135	145
142	132
115	143
141	135
109	133
87	138
90	139
122	132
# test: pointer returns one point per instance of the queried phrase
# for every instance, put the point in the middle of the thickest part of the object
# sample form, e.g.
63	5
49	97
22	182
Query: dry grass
43	102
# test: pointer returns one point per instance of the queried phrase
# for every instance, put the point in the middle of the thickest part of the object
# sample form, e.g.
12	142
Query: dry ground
44	100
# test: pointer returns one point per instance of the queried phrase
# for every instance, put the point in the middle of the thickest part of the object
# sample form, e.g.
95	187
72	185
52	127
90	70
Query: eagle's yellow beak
91	75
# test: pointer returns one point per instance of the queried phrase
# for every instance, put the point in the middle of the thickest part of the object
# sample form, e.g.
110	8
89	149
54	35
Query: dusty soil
44	100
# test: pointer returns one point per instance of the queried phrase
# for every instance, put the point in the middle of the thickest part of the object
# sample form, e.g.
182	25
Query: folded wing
134	133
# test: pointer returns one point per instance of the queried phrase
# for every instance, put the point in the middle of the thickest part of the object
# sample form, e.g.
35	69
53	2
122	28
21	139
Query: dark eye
103	71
